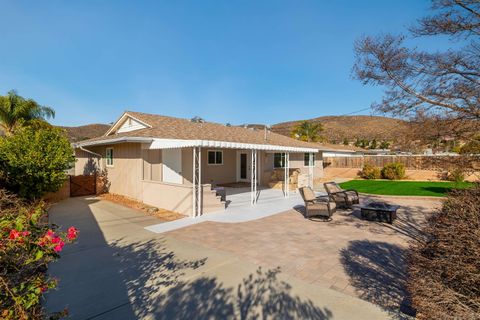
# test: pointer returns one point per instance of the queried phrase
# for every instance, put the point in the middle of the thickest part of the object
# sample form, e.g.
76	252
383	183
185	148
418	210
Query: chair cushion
351	195
332	187
308	194
318	206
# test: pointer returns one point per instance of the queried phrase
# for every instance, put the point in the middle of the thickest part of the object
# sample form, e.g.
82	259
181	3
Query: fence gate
83	185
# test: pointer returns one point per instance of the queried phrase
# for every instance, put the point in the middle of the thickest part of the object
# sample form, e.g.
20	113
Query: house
180	165
331	150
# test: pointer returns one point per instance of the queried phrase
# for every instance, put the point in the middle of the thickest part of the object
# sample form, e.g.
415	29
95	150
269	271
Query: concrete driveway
119	270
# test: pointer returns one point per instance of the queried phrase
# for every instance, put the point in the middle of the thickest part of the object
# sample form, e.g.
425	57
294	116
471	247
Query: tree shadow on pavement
159	286
377	270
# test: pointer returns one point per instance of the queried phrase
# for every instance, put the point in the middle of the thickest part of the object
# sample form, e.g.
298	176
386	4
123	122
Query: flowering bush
27	245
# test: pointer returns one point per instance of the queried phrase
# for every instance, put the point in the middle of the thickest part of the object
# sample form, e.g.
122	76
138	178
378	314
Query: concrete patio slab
118	270
239	209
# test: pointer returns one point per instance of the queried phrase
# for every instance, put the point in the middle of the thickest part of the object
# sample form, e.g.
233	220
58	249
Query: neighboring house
339	150
176	164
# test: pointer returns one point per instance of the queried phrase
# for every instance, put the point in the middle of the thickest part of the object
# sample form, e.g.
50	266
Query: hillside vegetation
338	128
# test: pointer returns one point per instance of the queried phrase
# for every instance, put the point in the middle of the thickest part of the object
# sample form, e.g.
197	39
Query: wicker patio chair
343	198
317	206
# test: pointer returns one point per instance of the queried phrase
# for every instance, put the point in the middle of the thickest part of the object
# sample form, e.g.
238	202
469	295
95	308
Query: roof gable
127	123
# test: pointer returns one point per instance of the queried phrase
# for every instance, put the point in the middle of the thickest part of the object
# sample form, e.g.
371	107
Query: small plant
393	171
370	172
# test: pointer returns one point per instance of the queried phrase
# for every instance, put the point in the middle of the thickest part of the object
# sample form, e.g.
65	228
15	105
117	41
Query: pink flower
14	234
56	240
59	246
50	234
25	233
72	233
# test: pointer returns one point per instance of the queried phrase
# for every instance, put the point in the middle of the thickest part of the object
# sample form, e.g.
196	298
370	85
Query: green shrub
27	245
393	171
444	270
456	175
34	160
370	172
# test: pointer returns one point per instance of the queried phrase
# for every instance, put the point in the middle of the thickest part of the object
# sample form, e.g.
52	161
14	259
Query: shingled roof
164	127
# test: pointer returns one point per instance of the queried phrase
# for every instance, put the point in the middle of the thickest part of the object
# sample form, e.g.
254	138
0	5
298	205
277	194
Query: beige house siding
87	163
174	197
125	175
223	173
152	165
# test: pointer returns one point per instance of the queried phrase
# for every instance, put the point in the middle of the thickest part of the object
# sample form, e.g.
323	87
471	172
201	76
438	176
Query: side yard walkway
118	270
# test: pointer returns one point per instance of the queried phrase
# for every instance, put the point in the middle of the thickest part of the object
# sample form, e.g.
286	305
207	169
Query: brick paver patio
361	258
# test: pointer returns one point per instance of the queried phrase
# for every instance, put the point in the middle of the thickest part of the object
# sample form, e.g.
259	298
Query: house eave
157	143
112	141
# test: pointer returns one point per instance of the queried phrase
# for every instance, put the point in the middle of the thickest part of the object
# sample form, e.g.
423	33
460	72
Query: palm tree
16	110
307	131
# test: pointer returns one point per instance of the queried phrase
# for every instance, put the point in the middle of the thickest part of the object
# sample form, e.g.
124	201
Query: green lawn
404	188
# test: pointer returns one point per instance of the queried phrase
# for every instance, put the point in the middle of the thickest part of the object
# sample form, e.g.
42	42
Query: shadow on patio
160	289
117	271
377	270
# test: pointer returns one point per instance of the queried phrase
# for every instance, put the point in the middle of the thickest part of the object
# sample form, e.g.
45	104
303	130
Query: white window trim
106	157
309	161
215	164
284	159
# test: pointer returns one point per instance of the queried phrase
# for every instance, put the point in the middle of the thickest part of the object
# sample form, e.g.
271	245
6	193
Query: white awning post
311	165
253	177
287	175
196	182
200	191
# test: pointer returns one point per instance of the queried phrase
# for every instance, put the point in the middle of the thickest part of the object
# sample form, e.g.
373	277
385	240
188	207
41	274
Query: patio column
286	184
253	177
197	182
311	165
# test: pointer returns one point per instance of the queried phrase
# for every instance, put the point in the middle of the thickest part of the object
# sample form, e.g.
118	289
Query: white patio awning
177	143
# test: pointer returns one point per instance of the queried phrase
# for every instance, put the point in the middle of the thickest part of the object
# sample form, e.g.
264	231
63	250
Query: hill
85	132
338	128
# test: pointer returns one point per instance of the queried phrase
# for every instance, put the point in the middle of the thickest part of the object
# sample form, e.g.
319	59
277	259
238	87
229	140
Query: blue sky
226	61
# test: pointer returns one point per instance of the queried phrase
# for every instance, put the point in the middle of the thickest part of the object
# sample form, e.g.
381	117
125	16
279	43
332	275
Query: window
279	160
109	157
306	159
215	157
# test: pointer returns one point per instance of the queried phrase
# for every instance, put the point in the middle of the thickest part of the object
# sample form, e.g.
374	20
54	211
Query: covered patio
239	209
237	173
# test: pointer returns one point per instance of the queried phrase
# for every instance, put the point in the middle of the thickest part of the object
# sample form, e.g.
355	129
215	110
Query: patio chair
317	206
343	198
